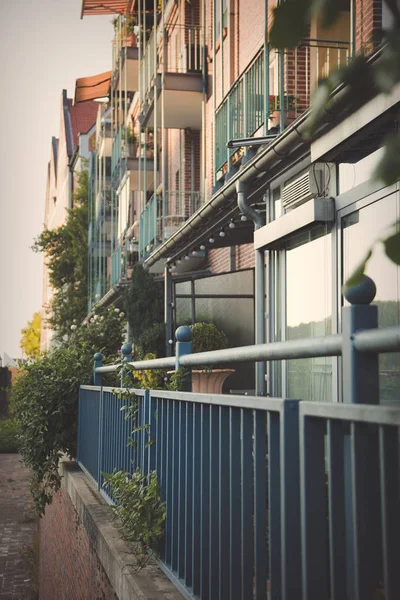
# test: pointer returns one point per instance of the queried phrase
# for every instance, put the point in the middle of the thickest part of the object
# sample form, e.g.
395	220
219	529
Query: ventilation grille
309	185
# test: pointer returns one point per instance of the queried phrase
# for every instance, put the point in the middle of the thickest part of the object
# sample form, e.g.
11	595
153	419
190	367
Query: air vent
305	187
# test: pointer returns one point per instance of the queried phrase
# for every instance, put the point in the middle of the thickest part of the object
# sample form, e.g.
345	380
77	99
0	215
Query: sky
44	47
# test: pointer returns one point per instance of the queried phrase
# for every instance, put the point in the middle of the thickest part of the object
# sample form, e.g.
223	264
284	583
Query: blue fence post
360	370
98	361
183	337
360	386
126	356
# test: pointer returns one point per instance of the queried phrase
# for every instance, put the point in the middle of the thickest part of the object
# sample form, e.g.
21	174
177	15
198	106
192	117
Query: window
218	4
360	228
309	312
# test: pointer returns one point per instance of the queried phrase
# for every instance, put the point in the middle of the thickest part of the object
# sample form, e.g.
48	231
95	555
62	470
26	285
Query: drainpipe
258	221
168	310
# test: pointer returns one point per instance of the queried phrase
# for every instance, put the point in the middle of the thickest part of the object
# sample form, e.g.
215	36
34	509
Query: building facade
67	151
189	77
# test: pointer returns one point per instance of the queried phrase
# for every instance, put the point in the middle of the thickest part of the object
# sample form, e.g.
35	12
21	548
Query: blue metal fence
266	497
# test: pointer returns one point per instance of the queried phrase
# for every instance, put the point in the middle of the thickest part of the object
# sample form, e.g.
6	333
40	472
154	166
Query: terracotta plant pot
209	382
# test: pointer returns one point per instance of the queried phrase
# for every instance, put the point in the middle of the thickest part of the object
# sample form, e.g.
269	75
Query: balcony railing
116	265
293	76
163	216
265	497
178	48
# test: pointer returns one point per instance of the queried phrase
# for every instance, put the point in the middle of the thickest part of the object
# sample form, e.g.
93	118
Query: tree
144	302
65	249
30	340
290	25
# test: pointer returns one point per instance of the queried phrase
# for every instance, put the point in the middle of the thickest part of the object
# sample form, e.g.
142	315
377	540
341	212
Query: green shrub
45	399
207	337
8	436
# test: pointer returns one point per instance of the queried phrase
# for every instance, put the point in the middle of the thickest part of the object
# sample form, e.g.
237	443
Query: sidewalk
17	527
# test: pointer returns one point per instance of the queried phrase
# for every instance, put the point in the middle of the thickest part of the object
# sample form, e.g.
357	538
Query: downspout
259	292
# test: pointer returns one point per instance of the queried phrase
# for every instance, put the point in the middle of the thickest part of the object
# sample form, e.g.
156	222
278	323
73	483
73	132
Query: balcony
116	265
293	76
125	64
125	158
163	215
173	63
104	141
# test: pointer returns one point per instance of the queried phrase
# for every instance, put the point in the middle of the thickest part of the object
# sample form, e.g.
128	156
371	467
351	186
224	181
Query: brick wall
245	256
69	566
368	24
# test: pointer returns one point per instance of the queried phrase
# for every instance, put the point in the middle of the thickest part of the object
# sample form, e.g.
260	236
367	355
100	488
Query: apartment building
189	77
67	151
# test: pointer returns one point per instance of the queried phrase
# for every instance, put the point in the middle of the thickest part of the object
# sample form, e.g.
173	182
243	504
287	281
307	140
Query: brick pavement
17	528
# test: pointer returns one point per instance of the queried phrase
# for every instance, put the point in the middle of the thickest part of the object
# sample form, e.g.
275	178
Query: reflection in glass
360	229
309	313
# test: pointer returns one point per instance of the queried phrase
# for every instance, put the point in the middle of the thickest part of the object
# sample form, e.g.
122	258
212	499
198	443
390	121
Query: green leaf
388	169
392	247
356	276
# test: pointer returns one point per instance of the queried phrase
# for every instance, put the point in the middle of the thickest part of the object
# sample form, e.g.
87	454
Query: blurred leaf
290	24
318	107
387	71
328	10
392	247
388	169
356	276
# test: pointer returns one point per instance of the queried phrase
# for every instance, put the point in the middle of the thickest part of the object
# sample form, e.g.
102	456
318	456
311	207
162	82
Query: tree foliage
144	301
291	23
30	340
65	249
45	398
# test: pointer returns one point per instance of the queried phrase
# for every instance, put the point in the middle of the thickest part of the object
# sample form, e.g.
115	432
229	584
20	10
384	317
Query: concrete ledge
113	553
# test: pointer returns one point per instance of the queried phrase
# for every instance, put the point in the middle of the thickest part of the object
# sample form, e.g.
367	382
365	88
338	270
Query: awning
105	7
91	88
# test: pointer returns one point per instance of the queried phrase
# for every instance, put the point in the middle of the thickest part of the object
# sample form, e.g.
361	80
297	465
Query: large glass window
361	228
309	312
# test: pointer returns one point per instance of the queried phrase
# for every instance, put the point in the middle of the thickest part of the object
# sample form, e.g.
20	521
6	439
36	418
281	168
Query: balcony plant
207	337
290	105
132	141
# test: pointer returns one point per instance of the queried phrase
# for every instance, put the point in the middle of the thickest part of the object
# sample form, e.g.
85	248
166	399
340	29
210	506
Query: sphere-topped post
126	356
183	337
360	369
97	362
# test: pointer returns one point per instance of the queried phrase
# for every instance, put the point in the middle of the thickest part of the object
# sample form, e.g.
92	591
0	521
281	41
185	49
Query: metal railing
266	497
116	265
177	48
293	76
163	215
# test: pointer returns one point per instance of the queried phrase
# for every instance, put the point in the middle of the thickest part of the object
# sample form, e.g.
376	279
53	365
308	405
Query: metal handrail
374	340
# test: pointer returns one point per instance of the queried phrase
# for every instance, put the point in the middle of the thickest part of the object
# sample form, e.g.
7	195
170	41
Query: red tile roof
83	117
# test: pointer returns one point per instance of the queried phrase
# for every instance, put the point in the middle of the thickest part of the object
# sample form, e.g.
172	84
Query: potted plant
129	30
207	337
290	105
131	139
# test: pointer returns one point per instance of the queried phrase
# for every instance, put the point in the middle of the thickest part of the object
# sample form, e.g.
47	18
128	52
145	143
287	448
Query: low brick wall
82	555
69	565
